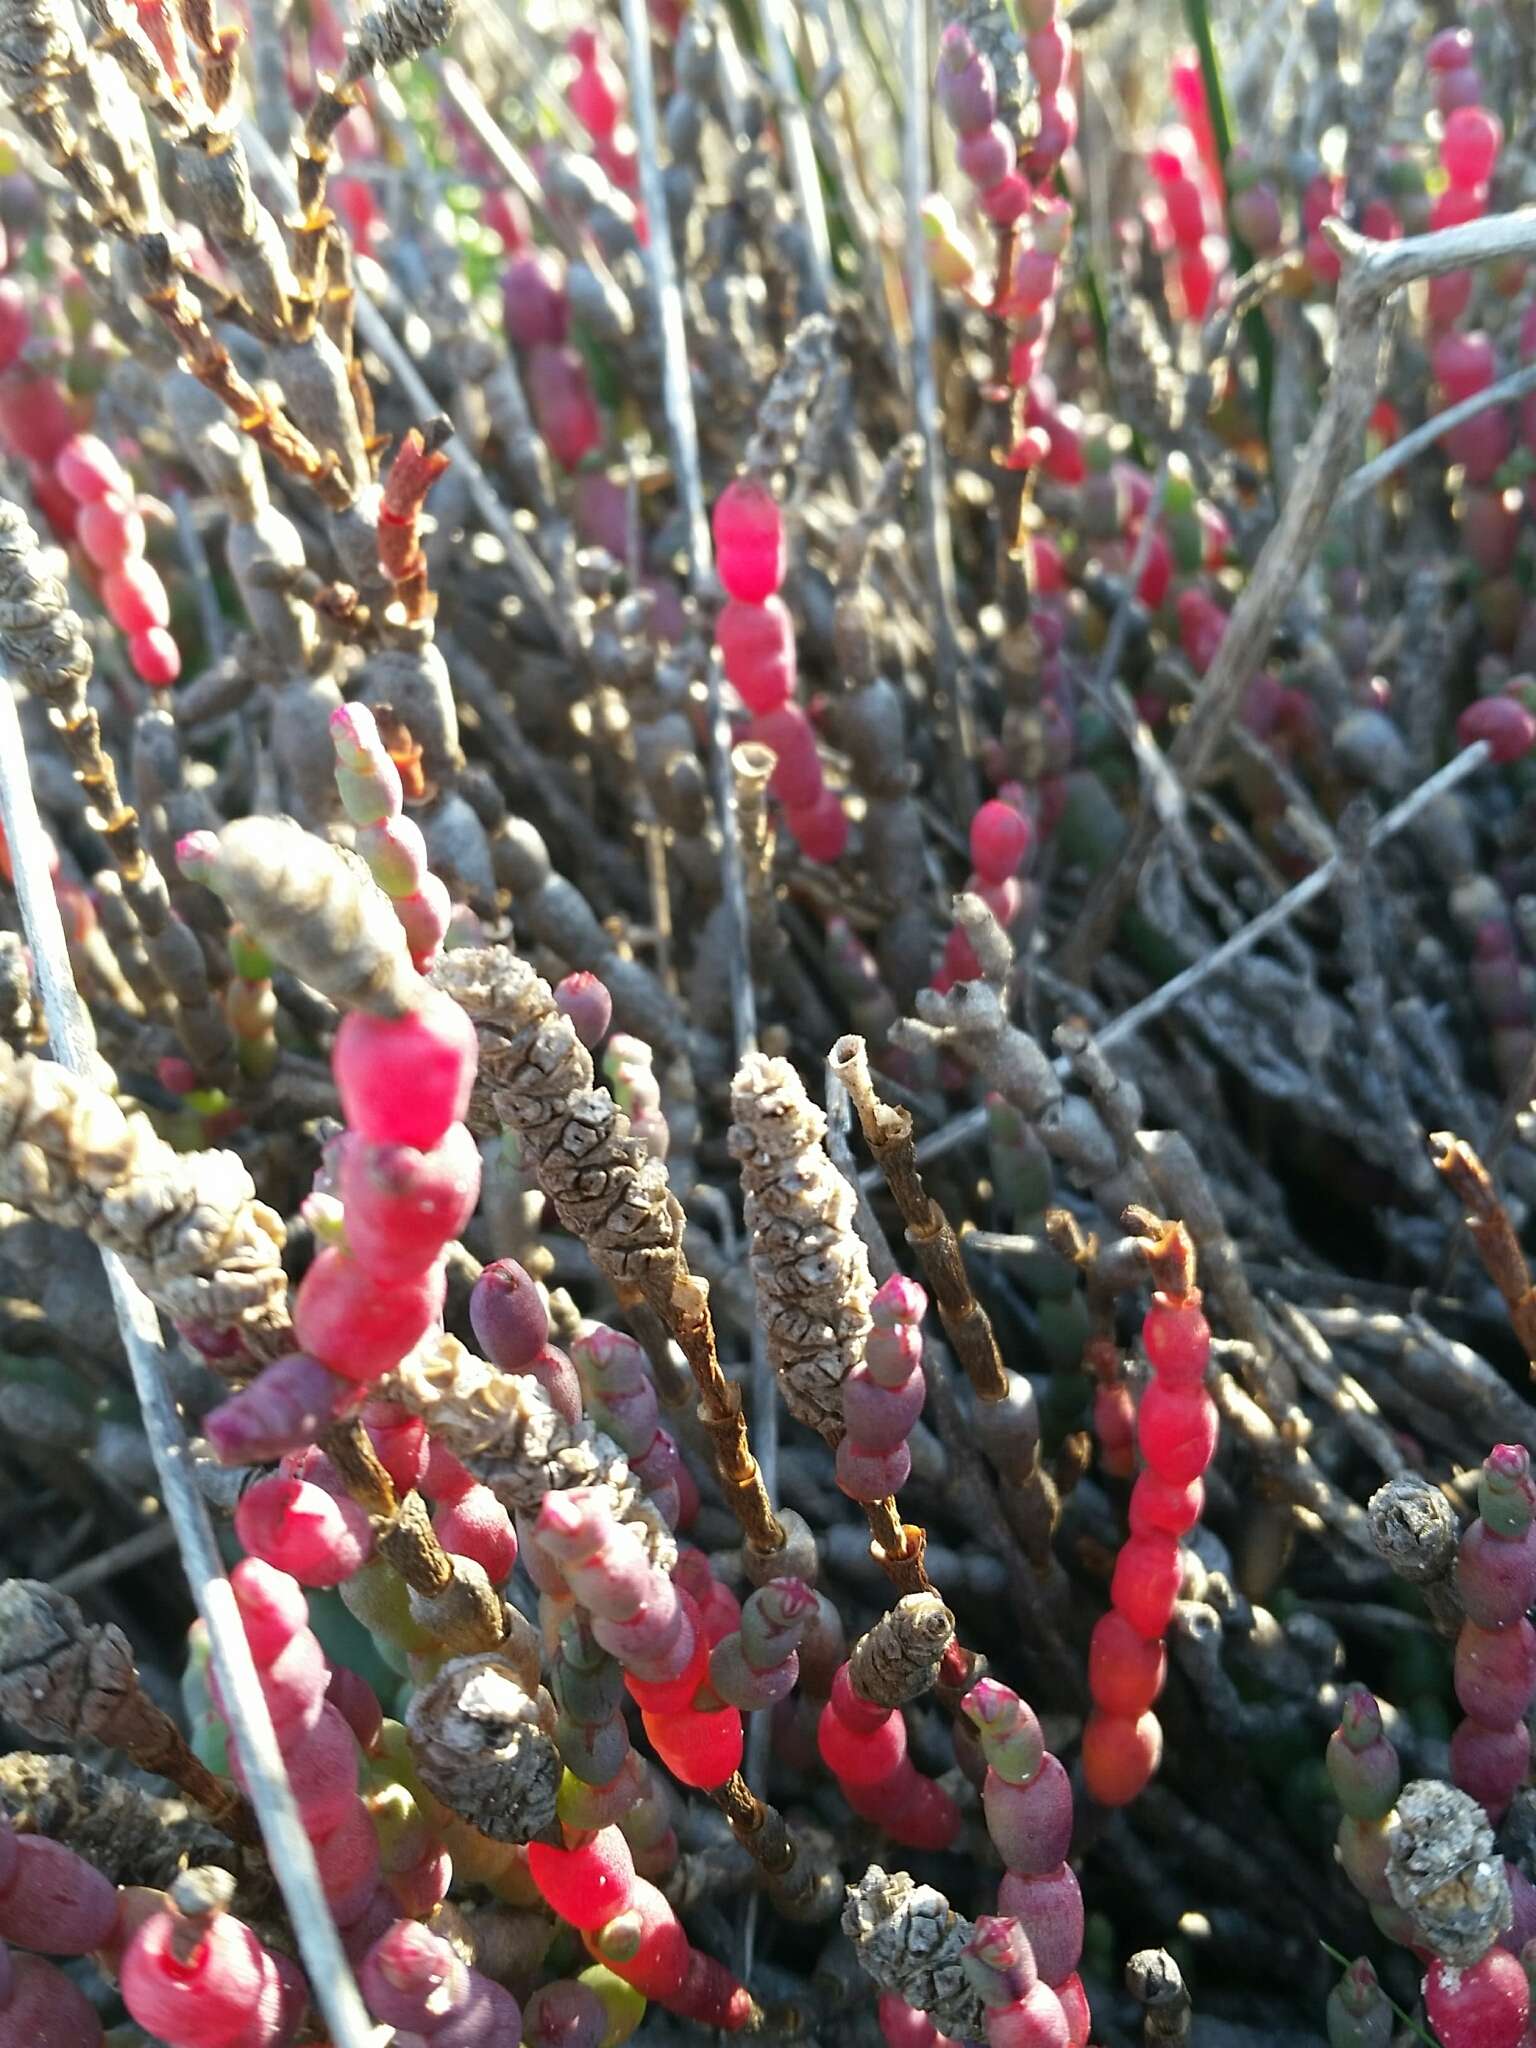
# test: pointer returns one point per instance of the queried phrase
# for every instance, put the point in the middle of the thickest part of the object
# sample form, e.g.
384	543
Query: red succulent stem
419	462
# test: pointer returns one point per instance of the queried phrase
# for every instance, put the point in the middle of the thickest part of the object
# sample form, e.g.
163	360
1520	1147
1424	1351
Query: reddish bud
751	545
1504	723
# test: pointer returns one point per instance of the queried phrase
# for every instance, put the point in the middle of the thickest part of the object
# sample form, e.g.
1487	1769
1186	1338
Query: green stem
1198	20
1093	292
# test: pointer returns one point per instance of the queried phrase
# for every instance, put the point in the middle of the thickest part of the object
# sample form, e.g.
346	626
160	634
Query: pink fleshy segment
403	1205
404	1080
54	1900
300	1528
45	2009
751	545
358	1325
284	1407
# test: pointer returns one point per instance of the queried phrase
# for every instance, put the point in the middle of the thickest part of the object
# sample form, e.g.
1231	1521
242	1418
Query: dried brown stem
897	1546
801	1887
209	361
751	767
419	462
216	48
720	1413
467	1613
1492	1232
398	31
888	1133
1168	1250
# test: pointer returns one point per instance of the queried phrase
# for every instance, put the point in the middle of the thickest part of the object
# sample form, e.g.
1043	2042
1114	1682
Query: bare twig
477	117
888	1133
140	1548
380	337
1371	474
795	132
1372	273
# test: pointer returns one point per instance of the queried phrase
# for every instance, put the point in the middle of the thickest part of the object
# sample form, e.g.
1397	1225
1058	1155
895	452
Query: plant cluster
587	605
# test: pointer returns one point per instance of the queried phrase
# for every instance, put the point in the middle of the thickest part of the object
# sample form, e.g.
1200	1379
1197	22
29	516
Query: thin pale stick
1173	991
501	150
683	432
121	1557
800	154
938	556
682	428
1390	460
287	1844
1493	1232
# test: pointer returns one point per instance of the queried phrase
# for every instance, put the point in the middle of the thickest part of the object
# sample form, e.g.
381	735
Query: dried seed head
1156	1983
41	639
910	1940
203	1890
132	1836
898	1659
186	1224
786	405
536	1076
60	1677
1445	1872
504	1427
17	1011
396	33
812	1271
314	907
484	1746
1413	1527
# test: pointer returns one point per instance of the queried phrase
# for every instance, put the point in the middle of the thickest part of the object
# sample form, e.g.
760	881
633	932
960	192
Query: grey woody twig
1169	994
